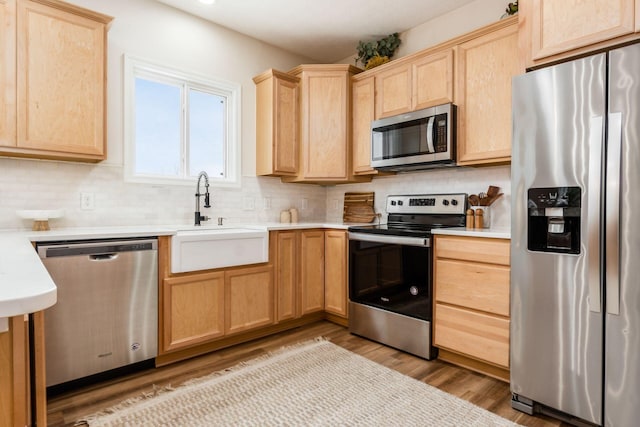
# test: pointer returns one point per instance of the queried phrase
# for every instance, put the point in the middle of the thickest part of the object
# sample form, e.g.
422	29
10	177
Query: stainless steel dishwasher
106	316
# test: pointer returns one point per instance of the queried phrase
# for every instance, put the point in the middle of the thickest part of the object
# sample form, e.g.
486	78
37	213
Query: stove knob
454	202
393	203
445	202
399	202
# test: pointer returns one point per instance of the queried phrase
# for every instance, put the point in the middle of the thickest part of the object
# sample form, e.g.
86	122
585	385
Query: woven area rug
315	383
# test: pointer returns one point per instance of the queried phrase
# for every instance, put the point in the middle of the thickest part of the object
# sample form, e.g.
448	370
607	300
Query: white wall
157	32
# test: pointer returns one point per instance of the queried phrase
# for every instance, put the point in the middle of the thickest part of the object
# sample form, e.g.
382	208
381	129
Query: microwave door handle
430	147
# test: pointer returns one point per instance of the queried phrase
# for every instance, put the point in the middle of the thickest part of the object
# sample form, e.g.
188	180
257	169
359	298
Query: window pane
206	133
157	138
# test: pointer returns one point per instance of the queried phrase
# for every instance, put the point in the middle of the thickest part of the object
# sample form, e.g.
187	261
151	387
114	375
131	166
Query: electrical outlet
266	203
87	202
248	204
305	204
335	204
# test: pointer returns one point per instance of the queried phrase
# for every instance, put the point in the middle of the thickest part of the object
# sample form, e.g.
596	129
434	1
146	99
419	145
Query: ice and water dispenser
553	220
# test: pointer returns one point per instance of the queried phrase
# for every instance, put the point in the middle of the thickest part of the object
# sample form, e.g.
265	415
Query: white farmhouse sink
204	248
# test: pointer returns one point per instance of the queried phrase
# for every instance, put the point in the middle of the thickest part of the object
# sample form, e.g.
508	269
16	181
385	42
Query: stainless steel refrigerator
575	229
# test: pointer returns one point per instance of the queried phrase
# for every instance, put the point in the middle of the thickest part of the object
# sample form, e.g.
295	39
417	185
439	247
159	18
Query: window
178	124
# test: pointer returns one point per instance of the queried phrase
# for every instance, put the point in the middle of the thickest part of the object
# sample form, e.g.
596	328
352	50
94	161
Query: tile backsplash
447	180
38	184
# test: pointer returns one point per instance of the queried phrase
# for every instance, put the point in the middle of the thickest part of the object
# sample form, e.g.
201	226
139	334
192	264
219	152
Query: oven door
392	273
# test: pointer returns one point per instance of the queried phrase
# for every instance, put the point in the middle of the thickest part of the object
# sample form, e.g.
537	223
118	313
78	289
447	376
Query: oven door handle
392	240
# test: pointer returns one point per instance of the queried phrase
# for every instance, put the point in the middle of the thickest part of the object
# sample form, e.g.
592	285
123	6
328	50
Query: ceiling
322	30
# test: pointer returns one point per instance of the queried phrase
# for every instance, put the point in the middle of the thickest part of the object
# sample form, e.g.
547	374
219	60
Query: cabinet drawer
481	336
491	251
479	286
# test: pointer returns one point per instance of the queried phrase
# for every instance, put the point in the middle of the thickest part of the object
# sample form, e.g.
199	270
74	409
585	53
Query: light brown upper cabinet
393	88
363	97
553	30
55	91
277	118
485	65
432	79
8	73
418	82
325	124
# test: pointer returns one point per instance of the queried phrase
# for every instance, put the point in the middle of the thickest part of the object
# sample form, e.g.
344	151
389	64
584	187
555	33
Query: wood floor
483	391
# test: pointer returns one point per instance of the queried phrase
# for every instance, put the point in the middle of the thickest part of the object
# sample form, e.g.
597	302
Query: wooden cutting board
358	207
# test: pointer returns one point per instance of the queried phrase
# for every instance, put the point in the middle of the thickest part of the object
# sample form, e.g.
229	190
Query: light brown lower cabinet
193	309
335	274
248	299
15	372
305	277
311	271
471	310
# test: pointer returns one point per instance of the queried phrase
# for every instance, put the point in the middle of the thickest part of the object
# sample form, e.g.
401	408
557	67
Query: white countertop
490	233
25	284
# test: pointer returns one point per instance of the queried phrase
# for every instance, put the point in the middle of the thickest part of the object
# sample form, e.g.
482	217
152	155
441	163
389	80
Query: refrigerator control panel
553	223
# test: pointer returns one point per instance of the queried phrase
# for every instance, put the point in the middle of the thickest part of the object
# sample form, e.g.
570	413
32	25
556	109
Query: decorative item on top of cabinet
471	309
485	65
277	117
374	53
551	31
325	125
59	78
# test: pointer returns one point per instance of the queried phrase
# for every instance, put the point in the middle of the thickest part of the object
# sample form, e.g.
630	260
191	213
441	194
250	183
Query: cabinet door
477	286
558	27
393	91
325	100
475	334
286	273
248	299
277	116
335	291
61	83
485	66
432	79
7	73
363	114
311	271
193	309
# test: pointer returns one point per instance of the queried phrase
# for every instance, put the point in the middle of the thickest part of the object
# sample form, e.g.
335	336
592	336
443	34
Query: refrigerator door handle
612	214
596	138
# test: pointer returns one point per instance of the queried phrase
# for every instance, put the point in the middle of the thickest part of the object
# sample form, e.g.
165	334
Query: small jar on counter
285	216
470	219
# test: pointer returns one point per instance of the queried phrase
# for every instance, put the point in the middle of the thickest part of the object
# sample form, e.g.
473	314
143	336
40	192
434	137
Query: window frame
136	67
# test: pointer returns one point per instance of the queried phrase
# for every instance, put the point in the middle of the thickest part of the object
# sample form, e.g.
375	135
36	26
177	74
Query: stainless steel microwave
422	139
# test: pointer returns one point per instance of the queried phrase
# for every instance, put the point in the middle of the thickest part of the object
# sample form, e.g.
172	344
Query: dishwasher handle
103	257
106	247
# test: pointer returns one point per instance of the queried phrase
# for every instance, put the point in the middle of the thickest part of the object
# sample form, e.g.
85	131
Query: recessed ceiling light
207	1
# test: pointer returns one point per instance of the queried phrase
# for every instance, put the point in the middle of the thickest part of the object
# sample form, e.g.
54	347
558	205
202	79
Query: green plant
512	8
386	46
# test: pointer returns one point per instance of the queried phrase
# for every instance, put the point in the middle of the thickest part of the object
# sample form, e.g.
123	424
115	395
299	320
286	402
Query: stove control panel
427	204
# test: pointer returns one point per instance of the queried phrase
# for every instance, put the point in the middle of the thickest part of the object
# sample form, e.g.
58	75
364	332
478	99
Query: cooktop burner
417	215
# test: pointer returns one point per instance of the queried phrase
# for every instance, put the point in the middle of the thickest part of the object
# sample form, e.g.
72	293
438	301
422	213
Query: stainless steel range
391	271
